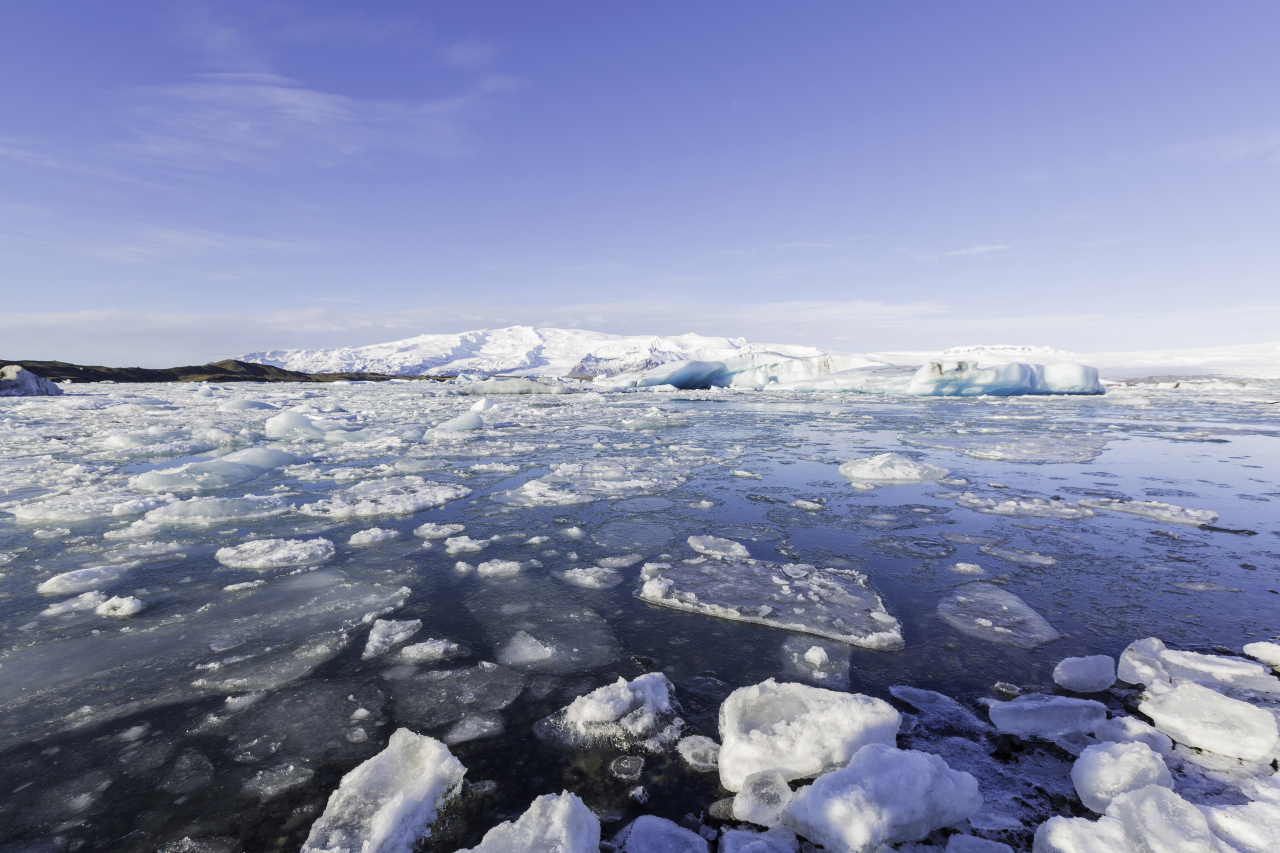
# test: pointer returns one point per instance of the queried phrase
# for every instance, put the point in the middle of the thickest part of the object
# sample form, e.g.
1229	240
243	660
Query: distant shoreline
228	370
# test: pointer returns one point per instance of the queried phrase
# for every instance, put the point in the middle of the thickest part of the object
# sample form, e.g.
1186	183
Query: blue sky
182	182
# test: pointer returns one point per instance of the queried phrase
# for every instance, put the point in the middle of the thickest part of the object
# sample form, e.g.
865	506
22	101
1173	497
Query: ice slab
390	496
1250	828
590	577
1085	674
263	554
390	801
1080	835
838	604
1014	446
431	530
884	796
1199	717
889	469
556	823
620	715
723	549
206	511
1024	507
436	698
1150	662
78	580
1018	555
650	834
1104	771
474	727
800	731
1154	510
386	633
275	634
1268	653
993	613
966	379
1156	820
1037	715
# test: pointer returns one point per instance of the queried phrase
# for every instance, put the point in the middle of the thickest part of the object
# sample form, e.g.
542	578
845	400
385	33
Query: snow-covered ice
556	823
890	468
621	715
1087	674
263	554
1205	719
1104	771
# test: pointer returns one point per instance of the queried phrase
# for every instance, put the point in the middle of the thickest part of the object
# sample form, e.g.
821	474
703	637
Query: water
118	733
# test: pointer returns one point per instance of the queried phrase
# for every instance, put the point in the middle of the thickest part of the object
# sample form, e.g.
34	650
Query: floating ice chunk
627	560
590	577
798	730
205	511
84	601
779	839
763	797
482	405
1150	662
620	715
430	651
1028	507
890	468
511	386
292	425
966	379
386	633
499	568
1156	820
1086	675
78	580
391	496
435	698
269	784
700	753
816	656
556	823
1046	717
1037	446
1251	828
1154	510
431	530
464	545
17	381
1105	771
1133	730
1268	653
651	421
808	506
1080	835
1199	717
245	406
523	649
993	613
390	801
884	796
1017	555
838	604
262	554
474	727
372	536
724	549
120	607
938	710
968	569
537	493
465	422
650	834
197	477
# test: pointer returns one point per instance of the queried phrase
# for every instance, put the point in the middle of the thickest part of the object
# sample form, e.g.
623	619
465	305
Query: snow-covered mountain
526	351
520	350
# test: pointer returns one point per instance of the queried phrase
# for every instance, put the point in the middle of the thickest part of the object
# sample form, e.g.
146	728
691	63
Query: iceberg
966	379
17	381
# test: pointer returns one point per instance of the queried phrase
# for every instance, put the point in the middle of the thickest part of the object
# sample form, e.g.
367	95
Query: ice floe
261	554
622	715
993	613
890	469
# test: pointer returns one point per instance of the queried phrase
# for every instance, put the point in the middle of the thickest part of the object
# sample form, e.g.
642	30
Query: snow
838	604
798	730
1079	835
262	554
120	607
1249	828
1199	717
884	796
372	536
390	801
890	468
386	633
17	381
992	613
1037	715
431	530
617	715
779	839
555	823
1104	771
1085	674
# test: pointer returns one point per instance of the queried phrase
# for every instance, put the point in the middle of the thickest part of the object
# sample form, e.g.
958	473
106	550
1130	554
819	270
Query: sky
182	182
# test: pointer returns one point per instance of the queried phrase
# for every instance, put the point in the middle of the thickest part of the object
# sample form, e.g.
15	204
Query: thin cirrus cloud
253	119
1260	145
980	250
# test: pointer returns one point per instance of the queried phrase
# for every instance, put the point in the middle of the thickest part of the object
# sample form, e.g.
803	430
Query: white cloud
979	250
1259	145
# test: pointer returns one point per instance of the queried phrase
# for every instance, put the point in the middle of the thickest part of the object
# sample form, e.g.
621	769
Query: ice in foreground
555	823
838	604
798	730
390	801
884	796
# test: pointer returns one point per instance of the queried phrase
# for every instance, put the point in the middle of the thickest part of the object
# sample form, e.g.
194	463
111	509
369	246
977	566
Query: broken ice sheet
992	613
838	604
281	632
435	698
539	626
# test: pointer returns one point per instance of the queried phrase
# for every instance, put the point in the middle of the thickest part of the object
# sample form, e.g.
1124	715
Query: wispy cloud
980	250
1261	145
257	118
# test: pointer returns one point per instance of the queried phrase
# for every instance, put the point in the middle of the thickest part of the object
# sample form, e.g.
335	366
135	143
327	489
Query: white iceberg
966	379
